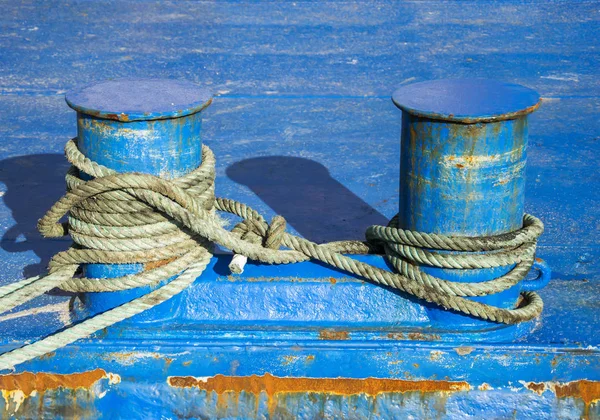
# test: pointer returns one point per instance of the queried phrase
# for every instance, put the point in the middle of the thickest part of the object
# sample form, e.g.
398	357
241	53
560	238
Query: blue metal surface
306	85
130	99
138	125
462	171
466	100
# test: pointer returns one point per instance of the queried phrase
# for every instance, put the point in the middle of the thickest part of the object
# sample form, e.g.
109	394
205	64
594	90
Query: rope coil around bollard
170	226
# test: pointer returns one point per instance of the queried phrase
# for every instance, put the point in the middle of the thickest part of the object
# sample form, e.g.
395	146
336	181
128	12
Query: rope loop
169	226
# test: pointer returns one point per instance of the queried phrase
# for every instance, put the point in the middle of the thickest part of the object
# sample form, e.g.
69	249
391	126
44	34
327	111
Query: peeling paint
333	335
61	308
415	336
462	351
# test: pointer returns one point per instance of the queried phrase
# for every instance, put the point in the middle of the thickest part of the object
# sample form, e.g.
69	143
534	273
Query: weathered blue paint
308	83
466	101
137	125
135	99
462	170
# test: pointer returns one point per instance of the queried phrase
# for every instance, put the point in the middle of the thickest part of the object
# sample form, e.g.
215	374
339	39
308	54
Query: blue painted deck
307	86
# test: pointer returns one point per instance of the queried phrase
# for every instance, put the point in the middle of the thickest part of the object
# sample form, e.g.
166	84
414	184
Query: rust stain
333	335
537	387
25	384
585	390
332	280
423	337
476	120
47	356
272	385
588	391
155	264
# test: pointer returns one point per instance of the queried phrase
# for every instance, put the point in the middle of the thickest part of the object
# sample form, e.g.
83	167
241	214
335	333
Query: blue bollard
462	173
138	125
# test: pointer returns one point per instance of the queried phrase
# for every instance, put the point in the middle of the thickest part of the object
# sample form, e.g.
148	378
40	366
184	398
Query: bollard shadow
315	204
33	184
303	191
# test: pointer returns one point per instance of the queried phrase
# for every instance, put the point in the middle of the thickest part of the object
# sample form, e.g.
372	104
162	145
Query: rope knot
275	232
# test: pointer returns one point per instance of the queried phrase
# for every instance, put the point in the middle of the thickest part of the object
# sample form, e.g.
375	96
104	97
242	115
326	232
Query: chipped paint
61	309
129	358
423	337
333	335
415	336
463	351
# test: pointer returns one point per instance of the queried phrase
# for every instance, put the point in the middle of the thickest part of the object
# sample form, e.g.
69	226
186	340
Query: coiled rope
170	225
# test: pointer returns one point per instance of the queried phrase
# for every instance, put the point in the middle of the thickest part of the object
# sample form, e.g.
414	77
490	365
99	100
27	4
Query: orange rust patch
333	335
27	382
272	385
588	391
155	264
332	280
538	388
395	336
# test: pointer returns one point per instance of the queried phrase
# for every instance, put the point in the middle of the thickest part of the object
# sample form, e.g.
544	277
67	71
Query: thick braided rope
169	225
115	227
435	290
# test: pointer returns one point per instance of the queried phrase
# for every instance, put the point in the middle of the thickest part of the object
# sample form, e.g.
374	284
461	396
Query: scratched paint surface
304	93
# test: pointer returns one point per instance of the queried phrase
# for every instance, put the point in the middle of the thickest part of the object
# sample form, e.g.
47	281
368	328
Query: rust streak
272	385
588	391
28	382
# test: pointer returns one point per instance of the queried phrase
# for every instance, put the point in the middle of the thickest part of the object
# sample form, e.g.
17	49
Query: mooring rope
169	226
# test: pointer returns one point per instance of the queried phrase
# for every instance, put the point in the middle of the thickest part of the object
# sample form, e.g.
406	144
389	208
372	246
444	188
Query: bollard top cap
466	100
139	99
